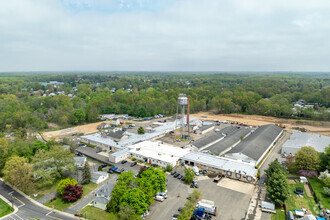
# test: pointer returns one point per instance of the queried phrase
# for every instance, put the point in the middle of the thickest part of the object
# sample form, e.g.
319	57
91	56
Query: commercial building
157	152
220	165
119	155
299	139
255	146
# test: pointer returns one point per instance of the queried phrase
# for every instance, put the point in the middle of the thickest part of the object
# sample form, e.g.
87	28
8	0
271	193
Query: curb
8	202
39	204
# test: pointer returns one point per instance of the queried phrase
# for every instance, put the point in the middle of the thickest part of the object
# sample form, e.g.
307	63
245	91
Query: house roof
116	135
257	142
207	140
98	174
228	141
80	160
106	190
101	200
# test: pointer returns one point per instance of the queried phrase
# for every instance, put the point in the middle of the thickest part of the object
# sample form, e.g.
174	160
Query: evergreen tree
86	175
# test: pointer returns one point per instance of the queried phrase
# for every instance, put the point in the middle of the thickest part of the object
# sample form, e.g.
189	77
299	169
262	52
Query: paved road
27	209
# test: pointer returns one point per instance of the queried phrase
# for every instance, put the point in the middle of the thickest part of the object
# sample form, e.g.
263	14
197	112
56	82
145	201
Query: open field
317	127
93	213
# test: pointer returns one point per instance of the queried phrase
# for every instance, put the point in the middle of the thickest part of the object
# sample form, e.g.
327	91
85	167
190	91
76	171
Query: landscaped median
5	209
61	204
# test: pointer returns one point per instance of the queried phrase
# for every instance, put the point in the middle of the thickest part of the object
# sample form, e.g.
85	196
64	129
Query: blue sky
165	35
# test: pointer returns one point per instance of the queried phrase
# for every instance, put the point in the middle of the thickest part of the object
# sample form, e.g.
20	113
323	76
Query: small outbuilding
99	176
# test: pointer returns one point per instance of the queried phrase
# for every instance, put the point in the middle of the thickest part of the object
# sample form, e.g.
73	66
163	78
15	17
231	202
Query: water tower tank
182	100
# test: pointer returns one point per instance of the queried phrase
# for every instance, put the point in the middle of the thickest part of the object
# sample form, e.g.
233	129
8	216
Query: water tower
183	101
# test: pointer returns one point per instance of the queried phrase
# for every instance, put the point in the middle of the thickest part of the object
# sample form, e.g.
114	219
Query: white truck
196	170
208	206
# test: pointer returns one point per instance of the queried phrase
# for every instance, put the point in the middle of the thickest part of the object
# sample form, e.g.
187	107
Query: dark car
124	161
194	186
183	179
176	175
133	164
104	165
110	171
180	176
98	150
173	172
180	209
154	165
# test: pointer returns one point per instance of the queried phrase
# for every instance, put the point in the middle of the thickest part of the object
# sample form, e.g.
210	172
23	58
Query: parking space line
12	217
49	212
11	192
19	201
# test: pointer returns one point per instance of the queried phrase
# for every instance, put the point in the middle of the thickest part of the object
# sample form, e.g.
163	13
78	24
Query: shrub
326	191
99	168
293	168
169	168
65	182
133	159
307	173
327	182
72	193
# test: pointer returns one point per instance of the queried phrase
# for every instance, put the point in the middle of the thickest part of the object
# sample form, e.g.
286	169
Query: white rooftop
133	138
159	151
299	139
221	163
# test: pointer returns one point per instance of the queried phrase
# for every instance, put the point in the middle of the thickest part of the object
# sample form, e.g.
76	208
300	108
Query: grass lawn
93	213
5	209
44	190
280	214
317	186
295	202
61	204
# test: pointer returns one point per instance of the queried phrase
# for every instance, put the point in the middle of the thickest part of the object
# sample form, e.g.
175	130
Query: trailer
196	170
208	206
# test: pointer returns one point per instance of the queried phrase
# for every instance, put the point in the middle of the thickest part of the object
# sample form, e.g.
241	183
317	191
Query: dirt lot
318	127
85	129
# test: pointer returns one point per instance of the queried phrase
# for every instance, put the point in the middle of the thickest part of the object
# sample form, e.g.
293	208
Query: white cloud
176	35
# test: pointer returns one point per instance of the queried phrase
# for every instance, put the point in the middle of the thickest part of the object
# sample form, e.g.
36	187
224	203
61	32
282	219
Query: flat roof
299	139
159	150
221	163
132	137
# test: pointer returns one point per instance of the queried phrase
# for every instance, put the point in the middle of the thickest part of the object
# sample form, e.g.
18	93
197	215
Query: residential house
99	176
80	162
103	196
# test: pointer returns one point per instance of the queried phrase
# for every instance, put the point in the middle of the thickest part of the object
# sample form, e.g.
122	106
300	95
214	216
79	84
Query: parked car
175	217
183	179
114	168
104	165
110	171
159	198
194	185
180	176
163	194
173	172
133	164
180	209
176	175
124	161
98	150
154	165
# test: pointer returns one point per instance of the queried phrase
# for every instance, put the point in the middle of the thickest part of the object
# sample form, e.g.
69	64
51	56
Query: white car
159	198
163	194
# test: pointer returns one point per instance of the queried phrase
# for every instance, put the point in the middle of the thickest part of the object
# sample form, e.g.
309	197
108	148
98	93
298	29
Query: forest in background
26	104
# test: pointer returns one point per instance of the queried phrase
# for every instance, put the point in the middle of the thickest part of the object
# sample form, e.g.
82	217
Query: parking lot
230	200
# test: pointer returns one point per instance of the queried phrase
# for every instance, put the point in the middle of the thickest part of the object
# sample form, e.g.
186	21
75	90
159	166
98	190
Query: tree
278	188
273	167
50	165
3	153
78	116
127	213
325	159
169	168
307	158
86	174
72	193
141	130
18	171
117	192
189	175
136	199
65	182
